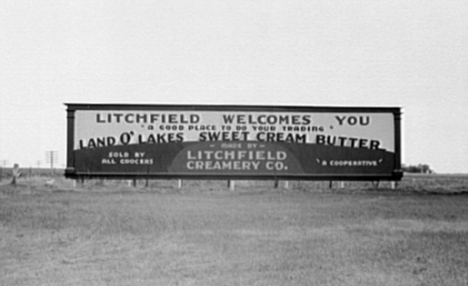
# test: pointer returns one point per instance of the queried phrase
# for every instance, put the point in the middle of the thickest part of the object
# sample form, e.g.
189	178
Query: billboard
214	141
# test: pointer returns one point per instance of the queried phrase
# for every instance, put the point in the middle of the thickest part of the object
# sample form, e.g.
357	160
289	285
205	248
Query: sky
411	54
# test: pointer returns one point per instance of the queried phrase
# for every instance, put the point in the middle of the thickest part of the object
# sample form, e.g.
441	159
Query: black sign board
234	142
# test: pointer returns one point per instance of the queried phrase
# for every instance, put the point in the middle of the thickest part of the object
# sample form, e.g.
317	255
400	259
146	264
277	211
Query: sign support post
231	185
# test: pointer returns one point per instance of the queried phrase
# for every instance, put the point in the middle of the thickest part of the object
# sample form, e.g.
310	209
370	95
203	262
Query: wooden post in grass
179	184
375	184
286	184
15	174
231	185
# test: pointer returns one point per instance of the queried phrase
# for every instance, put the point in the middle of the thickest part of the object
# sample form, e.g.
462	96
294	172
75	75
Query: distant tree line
420	168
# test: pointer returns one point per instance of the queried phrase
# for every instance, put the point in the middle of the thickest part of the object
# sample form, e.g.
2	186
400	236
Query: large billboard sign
257	142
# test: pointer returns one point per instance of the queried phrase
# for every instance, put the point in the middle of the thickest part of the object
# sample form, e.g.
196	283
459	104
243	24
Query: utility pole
51	158
2	165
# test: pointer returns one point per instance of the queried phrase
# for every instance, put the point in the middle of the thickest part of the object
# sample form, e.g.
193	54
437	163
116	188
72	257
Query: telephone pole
3	164
51	158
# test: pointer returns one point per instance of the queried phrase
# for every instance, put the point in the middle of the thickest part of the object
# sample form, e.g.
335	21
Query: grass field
108	233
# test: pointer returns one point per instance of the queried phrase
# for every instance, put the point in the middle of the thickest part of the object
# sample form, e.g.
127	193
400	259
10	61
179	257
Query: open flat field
108	233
